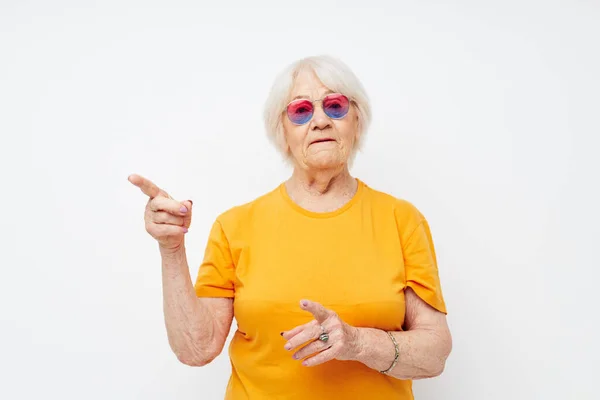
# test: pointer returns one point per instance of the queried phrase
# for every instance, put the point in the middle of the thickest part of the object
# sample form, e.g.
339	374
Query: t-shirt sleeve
217	271
420	262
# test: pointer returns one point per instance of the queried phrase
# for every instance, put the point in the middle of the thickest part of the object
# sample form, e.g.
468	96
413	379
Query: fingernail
288	347
304	303
185	229
281	333
183	209
305	363
191	202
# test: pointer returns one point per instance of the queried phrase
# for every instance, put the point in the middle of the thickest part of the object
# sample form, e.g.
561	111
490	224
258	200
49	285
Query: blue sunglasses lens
336	105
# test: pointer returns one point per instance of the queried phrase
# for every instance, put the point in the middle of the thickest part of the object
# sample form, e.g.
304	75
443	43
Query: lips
322	140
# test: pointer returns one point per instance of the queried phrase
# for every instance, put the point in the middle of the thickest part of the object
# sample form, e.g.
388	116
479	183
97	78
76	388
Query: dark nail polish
281	333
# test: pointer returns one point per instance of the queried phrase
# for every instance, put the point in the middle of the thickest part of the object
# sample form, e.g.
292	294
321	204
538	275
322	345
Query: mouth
322	140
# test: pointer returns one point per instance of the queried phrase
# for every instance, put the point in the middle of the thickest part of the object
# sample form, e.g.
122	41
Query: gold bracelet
396	357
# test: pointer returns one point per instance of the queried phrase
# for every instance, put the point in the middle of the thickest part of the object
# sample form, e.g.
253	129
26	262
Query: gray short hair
334	74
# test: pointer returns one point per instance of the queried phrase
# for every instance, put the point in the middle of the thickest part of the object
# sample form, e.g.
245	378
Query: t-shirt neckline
327	214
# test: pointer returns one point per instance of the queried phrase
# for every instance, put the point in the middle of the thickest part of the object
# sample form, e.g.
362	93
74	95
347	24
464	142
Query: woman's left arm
424	346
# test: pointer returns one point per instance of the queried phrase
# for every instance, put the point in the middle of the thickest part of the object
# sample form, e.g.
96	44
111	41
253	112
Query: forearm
189	327
423	352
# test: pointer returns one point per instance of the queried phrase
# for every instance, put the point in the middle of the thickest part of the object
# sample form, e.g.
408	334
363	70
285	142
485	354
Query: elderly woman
334	285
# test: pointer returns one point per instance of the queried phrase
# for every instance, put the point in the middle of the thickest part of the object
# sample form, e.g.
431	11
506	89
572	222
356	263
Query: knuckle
167	218
157	204
162	217
158	217
158	231
172	230
175	206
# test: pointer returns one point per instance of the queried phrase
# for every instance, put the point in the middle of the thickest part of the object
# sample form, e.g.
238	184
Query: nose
320	120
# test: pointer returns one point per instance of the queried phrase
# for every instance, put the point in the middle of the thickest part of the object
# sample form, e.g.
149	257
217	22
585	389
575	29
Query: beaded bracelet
395	357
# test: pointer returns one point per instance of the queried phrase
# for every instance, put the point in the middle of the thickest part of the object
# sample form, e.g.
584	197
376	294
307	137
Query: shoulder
399	205
243	213
405	212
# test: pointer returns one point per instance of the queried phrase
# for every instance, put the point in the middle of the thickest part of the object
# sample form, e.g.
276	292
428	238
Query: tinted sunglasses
335	106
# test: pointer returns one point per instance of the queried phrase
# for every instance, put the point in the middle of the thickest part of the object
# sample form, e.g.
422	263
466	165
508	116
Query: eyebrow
308	97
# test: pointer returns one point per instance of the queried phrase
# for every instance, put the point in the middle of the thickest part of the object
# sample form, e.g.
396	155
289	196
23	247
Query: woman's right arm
197	328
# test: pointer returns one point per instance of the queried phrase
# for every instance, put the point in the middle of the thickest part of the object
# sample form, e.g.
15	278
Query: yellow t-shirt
271	253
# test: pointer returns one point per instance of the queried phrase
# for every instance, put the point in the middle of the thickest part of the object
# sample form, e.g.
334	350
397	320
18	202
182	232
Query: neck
321	190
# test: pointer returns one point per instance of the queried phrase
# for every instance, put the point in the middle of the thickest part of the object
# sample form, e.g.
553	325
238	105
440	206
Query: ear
358	131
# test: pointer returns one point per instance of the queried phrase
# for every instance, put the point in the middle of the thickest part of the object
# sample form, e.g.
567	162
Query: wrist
173	252
358	348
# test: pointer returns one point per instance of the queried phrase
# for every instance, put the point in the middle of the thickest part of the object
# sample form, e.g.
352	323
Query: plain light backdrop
485	117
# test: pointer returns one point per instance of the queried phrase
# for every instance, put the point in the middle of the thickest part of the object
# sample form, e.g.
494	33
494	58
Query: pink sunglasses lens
336	105
300	111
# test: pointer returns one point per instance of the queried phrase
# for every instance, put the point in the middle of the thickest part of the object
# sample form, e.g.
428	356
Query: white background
486	116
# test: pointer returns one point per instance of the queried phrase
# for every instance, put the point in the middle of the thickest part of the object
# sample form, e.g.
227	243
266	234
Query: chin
324	161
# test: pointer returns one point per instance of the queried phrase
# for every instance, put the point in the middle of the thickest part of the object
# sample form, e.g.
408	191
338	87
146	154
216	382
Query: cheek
348	130
294	134
348	127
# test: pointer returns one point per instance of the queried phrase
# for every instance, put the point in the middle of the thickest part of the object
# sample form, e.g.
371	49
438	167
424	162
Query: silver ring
323	337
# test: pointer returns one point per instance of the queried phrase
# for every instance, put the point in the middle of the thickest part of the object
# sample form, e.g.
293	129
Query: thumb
187	219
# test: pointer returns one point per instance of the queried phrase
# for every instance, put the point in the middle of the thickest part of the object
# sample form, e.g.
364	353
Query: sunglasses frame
313	106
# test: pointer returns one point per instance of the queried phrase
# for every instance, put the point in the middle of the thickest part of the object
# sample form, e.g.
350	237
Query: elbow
193	359
194	352
437	369
434	369
439	365
196	356
436	364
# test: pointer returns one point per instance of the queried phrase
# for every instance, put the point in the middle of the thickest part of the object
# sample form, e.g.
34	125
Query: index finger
317	310
147	187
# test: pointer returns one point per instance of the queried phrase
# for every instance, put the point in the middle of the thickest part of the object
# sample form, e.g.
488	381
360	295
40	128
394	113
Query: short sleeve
420	262
216	273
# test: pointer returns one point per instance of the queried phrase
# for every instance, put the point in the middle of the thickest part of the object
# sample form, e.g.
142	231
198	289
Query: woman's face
323	142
